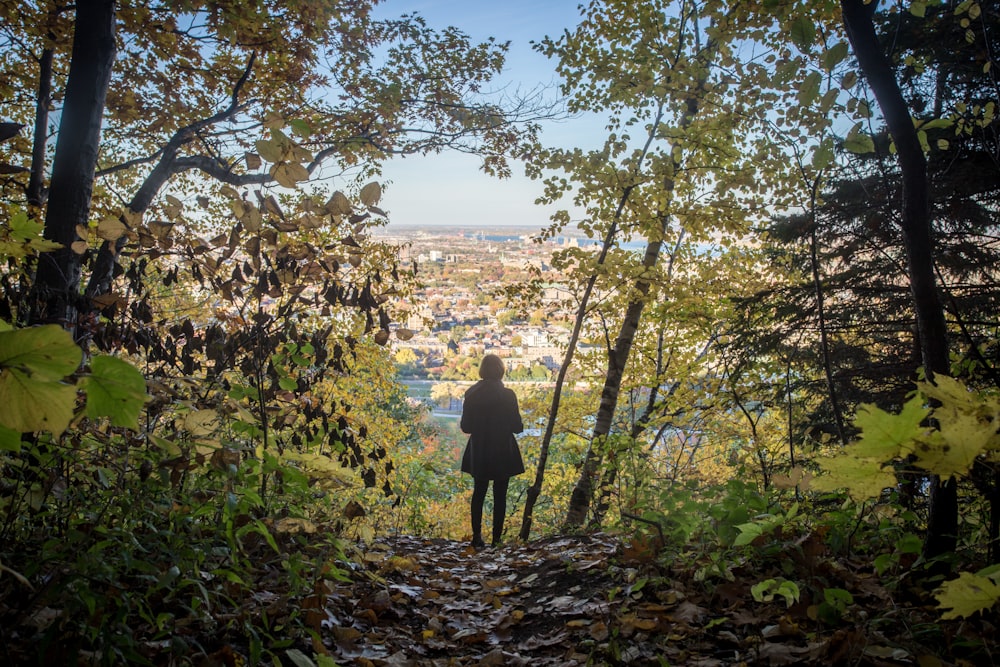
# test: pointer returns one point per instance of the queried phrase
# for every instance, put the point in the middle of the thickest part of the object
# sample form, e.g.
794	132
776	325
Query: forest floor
589	600
568	600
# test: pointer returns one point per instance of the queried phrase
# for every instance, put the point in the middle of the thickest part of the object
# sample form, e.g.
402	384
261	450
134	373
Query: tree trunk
611	471
580	499
36	182
579	502
831	387
942	525
581	312
57	281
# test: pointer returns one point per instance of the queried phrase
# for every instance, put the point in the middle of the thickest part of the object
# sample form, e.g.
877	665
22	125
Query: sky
450	189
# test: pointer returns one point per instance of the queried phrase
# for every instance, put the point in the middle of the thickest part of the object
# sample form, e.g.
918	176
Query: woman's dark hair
491	367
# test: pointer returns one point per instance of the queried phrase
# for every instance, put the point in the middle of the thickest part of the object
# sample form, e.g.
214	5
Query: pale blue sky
449	189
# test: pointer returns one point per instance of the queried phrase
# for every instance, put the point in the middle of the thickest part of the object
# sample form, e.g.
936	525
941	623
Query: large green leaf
29	404
803	32
863	478
885	436
10	440
46	352
115	389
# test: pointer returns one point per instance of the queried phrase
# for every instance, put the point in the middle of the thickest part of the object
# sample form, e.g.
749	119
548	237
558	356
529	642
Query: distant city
460	312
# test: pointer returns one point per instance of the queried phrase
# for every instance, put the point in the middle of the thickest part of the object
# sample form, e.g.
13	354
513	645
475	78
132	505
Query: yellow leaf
886	436
229	191
371	194
132	218
253	220
273	121
289	174
111	229
200	423
272	207
294	525
28	404
963	597
862	477
281	174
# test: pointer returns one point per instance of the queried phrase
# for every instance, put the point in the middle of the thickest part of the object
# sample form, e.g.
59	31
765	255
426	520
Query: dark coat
491	418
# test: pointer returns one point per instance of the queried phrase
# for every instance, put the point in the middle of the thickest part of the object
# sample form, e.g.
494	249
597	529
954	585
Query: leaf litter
587	599
566	600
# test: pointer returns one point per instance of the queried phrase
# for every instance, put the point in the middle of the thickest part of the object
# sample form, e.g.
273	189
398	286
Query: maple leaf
966	595
884	435
863	477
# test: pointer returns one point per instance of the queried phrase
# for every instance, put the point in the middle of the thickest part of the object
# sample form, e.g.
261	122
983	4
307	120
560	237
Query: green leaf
300	127
46	352
918	8
809	89
28	404
22	228
834	55
885	436
299	659
883	562
748	533
862	477
860	143
115	389
963	597
824	155
909	544
10	440
803	32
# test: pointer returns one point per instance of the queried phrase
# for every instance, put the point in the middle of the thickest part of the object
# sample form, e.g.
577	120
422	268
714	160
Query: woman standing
491	418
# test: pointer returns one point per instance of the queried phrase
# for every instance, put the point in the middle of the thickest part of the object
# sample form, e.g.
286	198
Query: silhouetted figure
491	418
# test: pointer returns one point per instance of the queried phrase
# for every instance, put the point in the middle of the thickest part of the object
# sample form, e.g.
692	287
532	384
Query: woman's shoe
477	543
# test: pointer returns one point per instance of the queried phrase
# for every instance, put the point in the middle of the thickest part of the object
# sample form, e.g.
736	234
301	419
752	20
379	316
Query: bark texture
942	525
57	281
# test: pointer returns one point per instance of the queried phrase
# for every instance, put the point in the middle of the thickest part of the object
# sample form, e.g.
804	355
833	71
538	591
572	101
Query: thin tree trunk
579	502
942	525
535	489
581	312
57	280
36	181
824	337
611	471
580	499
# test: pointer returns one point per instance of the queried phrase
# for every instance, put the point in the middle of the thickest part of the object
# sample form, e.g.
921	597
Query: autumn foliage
772	438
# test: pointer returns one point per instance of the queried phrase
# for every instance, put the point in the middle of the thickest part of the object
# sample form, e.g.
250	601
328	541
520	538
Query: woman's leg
478	496
499	507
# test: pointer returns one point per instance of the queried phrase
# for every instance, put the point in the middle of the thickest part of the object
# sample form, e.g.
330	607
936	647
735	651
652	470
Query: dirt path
560	601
